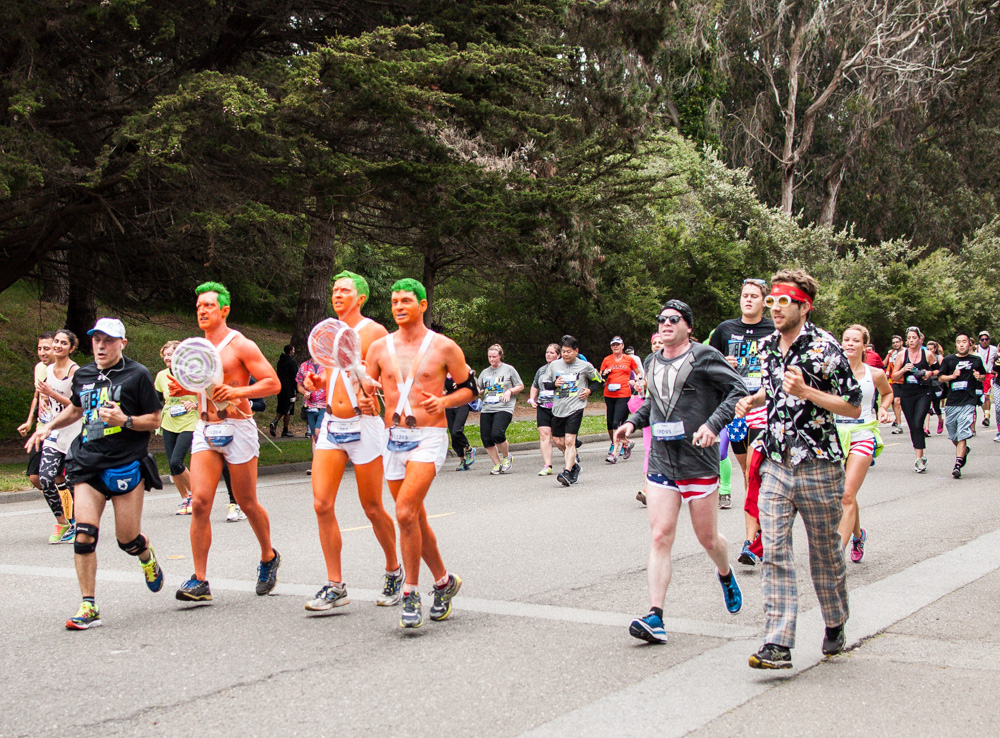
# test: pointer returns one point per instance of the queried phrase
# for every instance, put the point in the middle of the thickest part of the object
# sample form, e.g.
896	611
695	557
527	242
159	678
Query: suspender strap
203	396
403	407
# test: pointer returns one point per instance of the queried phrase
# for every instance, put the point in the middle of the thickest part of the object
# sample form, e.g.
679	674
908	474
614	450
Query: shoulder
373	331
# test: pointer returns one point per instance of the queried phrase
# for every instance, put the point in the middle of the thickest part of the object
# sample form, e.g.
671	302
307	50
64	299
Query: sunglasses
759	282
672	319
781	301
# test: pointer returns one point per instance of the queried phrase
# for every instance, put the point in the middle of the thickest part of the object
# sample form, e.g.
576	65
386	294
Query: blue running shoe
748	557
648	628
267	574
731	592
194	590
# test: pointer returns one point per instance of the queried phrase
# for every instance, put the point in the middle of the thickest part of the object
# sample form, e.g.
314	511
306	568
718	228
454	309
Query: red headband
793	292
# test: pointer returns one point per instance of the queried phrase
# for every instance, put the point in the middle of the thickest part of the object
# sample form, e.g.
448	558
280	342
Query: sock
725	476
396	573
959	460
443	581
337	585
407	588
657	611
89	599
728	578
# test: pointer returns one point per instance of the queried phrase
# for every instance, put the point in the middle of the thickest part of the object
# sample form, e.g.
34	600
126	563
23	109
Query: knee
177	468
323	505
136	546
86	539
663	535
200	506
373	510
407	515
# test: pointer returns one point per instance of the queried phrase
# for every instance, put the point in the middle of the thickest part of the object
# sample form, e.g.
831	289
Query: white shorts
433	448
244	446
363	451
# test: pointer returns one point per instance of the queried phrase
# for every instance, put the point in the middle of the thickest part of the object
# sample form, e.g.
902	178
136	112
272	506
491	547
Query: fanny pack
476	405
219	435
122	479
339	430
404	439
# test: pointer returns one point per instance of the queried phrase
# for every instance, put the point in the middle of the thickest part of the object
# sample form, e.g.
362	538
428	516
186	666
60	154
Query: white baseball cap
108	326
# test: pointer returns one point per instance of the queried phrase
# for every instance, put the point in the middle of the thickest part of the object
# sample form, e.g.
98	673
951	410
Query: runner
114	399
313	403
934	356
177	424
860	439
987	353
617	371
568	377
411	365
57	389
963	373
655	345
541	400
348	432
806	378
692	396
287	369
227	434
914	393
892	362
457	418
499	384
39	405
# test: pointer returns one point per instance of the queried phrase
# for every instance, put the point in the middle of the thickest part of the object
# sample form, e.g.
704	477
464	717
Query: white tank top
63	437
867	398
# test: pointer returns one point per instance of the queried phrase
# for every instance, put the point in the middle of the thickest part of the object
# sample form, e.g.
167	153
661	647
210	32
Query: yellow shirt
174	417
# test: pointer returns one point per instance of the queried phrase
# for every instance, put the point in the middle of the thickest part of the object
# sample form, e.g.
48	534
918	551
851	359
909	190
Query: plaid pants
814	488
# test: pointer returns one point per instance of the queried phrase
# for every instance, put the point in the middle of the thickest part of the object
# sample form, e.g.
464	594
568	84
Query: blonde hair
168	345
498	348
865	335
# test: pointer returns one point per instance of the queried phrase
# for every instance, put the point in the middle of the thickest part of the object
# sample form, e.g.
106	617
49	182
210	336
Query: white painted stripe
676	702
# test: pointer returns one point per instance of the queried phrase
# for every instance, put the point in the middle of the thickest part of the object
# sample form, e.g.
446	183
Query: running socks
728	578
443	581
89	599
657	611
725	476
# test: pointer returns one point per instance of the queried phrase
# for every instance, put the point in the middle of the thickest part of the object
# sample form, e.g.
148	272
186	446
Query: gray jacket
705	392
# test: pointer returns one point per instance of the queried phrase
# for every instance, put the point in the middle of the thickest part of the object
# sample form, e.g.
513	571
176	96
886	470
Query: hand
112	415
44	389
977	375
188	405
794	383
732	361
312	381
623	432
606	373
225	393
37	439
744	406
531	401
368	404
704	437
505	397
559	381
584	393
432	404
907	367
174	388
883	415
24	428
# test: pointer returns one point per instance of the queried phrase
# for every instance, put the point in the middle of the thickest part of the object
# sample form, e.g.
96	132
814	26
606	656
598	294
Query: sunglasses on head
781	301
672	319
759	282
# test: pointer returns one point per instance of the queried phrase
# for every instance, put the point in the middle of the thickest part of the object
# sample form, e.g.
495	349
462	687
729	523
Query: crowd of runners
800	411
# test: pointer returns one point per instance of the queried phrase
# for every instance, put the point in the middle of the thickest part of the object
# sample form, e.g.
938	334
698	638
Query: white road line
676	701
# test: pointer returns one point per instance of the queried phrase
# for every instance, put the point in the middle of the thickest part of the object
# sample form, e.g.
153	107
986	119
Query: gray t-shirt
493	383
575	379
545	396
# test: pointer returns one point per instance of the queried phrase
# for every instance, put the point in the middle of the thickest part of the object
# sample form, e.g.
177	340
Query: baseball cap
108	326
617	339
984	333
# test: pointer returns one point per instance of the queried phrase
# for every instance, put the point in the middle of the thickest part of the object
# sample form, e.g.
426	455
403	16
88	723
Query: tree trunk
81	303
831	190
54	276
428	278
317	269
787	188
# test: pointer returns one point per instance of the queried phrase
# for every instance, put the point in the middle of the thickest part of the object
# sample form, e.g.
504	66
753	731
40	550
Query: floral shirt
796	427
313	400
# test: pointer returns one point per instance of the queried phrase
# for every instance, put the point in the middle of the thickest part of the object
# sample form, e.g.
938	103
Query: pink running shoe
858	547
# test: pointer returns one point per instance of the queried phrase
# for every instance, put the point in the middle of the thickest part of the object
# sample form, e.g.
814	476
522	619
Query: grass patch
12	478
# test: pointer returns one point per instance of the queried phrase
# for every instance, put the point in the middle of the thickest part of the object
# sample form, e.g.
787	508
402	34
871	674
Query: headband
793	292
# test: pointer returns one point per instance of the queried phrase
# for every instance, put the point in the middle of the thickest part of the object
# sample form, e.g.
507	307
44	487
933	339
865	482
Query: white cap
108	326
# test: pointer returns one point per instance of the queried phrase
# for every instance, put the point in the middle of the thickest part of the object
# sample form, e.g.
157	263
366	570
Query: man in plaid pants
806	382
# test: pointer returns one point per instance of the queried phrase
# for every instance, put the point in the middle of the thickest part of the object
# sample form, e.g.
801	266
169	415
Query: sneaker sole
563	481
747	560
70	625
327	605
641	632
389	603
415	624
185	597
756	663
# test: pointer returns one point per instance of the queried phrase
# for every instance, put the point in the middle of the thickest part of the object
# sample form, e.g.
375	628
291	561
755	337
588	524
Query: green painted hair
216	287
360	283
410	285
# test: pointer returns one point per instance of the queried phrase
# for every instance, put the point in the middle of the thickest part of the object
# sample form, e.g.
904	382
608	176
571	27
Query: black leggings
493	427
177	446
456	427
617	411
915	410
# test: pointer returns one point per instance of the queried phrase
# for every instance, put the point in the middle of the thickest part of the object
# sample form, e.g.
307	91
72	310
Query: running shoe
194	590
413	612
940	426
927	432
627	450
611	449
996	438
648	628
731	592
462	466
87	616
153	572
470	455
441	609
771	656
896	429
725	502
267	574
920	465
185	507
858	546
58	532
496	469
272	428
641	497
328	598
69	535
574	473
232	516
834	641
748	557
392	589
986	422
612	459
506	463
547	471
564	478
956	473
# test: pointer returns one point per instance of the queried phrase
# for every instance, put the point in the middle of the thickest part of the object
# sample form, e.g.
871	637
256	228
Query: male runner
692	396
109	460
569	377
39	404
411	365
807	380
228	433
893	359
617	370
987	352
964	374
343	435
287	369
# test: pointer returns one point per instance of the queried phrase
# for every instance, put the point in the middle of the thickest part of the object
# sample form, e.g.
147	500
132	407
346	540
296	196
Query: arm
749	403
69	415
26	425
115	416
267	383
794	384
885	396
455	364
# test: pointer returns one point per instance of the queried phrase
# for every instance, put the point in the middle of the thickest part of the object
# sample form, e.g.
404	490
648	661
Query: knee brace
87	530
177	469
136	546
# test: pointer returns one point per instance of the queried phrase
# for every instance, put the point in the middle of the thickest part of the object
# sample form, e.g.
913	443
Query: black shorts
147	469
896	387
568	426
741	447
33	462
286	405
617	411
543	417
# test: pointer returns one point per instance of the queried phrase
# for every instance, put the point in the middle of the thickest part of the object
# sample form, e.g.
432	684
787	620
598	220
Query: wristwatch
128	423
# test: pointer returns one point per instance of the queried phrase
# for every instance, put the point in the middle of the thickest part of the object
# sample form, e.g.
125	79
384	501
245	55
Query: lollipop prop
197	365
336	346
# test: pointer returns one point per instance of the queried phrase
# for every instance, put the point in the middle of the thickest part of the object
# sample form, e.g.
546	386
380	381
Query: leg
818	495
128	518
486	436
896	406
228	480
777	515
369	477
177	446
569	453
663	506
850	523
89	508
705	521
915	423
327	471
206	468
48	470
417	540
545	444
500	424
245	491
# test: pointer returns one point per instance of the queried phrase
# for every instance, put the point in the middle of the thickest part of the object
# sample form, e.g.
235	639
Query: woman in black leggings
915	392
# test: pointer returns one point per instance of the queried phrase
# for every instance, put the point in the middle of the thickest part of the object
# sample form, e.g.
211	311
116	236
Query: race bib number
492	399
546	395
957	386
614	387
752	383
177	411
340	430
403	439
219	435
672	431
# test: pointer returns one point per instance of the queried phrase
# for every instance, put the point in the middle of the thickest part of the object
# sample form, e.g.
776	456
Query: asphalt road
538	642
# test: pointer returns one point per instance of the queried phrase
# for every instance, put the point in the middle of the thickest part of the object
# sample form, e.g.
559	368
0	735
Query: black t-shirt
101	446
287	369
742	340
963	389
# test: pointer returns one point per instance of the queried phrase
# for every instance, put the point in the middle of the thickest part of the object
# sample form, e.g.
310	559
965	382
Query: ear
423	305
124	342
362	299
225	310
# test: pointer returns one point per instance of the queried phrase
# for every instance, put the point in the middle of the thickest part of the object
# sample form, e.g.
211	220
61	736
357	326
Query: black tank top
912	386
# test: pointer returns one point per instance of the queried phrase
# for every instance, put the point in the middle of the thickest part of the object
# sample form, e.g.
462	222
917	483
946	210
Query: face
61	346
787	319
853	343
494	356
656	343
984	341
751	301
407	309
208	311
107	350
45	350
345	296
551	354
897	343
963	345
913	339
617	348
673	334
168	355
569	354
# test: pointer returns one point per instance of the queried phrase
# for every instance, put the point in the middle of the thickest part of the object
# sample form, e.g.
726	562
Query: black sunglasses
672	319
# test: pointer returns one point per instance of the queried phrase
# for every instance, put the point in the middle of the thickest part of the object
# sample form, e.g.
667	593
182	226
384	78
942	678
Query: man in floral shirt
806	380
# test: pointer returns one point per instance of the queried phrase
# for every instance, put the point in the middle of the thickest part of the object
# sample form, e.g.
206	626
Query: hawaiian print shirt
313	400
795	427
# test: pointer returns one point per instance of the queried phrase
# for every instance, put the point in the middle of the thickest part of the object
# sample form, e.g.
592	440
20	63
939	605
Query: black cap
683	308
